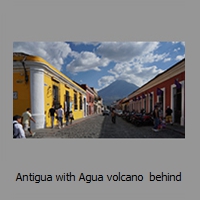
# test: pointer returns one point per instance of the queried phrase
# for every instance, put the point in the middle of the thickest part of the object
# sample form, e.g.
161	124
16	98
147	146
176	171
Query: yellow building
39	85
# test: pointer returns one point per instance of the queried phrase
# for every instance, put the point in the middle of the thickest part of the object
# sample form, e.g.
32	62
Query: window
56	102
91	99
80	102
177	105
75	101
15	95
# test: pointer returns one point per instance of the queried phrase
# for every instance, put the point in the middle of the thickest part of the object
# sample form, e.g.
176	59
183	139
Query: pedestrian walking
52	112
156	118
71	117
168	117
18	131
26	117
60	113
113	115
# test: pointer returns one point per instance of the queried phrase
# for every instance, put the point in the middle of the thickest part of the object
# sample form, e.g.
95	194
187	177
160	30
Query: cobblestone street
123	129
100	126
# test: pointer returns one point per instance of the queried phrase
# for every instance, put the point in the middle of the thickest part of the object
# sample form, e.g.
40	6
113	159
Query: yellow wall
48	98
23	101
78	113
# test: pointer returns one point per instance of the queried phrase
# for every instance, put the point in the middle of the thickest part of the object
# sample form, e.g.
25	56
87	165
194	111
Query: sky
98	64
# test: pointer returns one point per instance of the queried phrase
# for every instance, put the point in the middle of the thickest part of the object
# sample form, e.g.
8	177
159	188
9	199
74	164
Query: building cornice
160	78
51	71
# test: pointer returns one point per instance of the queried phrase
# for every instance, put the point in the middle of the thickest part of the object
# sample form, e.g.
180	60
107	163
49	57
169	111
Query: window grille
80	101
75	101
56	101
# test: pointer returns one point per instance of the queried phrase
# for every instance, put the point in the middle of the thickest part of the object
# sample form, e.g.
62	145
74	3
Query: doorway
177	105
67	101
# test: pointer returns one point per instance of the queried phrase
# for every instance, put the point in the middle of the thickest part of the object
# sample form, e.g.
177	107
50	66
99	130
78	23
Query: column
37	97
172	100
182	103
164	105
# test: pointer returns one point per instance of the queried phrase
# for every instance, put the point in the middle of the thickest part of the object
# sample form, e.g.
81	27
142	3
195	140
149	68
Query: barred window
56	101
80	102
75	101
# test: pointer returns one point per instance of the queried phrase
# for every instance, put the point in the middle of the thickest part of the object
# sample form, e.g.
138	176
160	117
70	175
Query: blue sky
98	64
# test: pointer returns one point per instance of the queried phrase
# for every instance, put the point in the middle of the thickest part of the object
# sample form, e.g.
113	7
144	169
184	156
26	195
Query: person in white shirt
60	113
18	131
26	117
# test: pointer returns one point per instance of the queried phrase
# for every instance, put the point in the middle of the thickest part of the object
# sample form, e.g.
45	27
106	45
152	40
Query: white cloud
86	43
137	74
175	42
183	43
86	61
167	60
52	52
150	58
125	51
180	57
113	51
105	81
178	49
119	52
130	57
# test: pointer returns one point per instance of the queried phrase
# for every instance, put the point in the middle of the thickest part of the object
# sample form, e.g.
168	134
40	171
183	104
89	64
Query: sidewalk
176	127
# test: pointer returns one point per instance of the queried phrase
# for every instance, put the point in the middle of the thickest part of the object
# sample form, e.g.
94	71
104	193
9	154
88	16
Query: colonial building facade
98	103
89	99
39	85
166	89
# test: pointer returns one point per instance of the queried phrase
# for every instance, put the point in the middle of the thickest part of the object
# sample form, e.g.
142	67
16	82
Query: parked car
118	112
106	112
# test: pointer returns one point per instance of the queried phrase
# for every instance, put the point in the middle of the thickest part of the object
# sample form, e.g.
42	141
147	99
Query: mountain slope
116	90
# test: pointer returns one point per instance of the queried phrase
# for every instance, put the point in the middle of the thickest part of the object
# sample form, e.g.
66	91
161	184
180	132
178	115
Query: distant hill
116	90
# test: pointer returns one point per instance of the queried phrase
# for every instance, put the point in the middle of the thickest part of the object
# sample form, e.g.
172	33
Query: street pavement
124	129
99	126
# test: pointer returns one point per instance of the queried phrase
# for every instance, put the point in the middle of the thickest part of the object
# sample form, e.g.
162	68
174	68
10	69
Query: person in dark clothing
60	113
113	115
71	117
156	118
168	117
52	112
